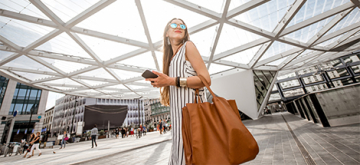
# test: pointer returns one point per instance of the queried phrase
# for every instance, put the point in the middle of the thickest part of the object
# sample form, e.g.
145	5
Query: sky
53	96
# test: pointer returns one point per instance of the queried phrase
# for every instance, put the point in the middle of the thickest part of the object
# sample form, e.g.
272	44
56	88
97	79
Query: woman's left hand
161	81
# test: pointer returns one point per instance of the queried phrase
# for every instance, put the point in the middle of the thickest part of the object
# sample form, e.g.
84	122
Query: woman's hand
161	81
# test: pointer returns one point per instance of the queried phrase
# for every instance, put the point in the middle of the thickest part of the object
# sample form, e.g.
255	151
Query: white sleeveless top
179	96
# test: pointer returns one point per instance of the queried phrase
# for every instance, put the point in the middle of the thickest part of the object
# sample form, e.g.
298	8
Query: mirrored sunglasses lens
173	25
182	26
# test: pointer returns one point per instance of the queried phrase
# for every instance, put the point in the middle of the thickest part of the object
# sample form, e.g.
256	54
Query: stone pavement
335	145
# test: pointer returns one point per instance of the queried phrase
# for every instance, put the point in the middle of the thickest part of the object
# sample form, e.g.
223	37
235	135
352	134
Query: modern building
29	102
48	119
158	111
70	110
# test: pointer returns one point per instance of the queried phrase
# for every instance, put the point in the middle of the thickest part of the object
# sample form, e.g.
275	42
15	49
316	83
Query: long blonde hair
168	53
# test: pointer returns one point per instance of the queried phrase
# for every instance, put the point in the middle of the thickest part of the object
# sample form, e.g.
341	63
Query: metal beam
147	33
317	18
195	8
218	32
245	7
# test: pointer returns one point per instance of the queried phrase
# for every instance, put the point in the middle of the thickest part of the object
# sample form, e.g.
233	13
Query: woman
182	63
117	132
28	148
63	141
35	144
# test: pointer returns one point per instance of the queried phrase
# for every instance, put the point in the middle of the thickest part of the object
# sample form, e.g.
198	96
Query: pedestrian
64	139
132	131
160	127
117	132
35	145
29	145
182	66
94	133
142	129
145	130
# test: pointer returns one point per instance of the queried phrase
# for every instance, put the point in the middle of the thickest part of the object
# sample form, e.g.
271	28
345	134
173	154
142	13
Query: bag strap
203	80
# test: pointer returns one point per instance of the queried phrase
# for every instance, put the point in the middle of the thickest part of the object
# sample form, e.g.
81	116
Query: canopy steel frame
293	56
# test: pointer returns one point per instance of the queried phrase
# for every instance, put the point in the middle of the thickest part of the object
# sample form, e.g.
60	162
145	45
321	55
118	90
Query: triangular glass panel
312	8
27	63
65	66
64	88
351	18
22	7
304	34
237	3
216	68
119	86
156	19
99	73
276	48
328	42
214	5
4	54
22	33
63	44
232	37
68	9
88	92
203	40
144	60
31	76
65	81
243	57
277	62
126	74
91	82
128	24
266	16
106	49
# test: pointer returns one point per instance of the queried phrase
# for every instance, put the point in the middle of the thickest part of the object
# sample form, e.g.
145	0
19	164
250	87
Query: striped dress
179	96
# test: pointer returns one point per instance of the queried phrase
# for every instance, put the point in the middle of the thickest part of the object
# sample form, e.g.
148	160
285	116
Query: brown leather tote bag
214	134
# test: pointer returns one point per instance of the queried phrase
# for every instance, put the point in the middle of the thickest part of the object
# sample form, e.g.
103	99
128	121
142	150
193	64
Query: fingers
157	73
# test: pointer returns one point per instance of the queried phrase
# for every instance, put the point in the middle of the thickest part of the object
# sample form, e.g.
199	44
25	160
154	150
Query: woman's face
176	33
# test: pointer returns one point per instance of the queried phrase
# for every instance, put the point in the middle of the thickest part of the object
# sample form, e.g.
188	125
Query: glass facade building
25	100
3	84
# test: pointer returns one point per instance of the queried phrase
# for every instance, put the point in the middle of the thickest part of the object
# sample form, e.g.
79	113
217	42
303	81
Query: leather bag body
213	133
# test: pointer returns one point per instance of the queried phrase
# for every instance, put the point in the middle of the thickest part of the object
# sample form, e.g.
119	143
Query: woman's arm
197	63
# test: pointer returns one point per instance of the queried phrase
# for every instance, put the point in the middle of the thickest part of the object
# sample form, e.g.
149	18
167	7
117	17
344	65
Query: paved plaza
305	143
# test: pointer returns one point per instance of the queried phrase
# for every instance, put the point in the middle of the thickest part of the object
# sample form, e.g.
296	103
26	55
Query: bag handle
203	80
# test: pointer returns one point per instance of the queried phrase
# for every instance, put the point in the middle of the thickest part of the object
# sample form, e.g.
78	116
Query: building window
26	100
3	84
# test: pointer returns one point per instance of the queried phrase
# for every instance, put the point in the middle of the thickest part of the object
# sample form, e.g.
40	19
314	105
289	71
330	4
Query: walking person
182	63
160	127
29	145
94	133
64	139
35	145
117	132
122	132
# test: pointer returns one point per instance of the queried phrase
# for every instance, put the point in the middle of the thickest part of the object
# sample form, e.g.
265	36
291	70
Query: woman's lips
178	31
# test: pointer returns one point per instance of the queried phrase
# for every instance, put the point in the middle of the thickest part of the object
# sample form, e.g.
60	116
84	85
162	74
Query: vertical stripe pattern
179	96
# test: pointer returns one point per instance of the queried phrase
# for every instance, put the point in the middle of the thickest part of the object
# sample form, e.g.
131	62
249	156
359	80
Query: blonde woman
182	63
35	144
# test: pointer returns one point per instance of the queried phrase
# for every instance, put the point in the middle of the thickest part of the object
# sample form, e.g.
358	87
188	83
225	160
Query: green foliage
102	132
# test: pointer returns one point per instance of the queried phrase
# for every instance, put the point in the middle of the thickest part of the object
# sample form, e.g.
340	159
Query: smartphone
149	74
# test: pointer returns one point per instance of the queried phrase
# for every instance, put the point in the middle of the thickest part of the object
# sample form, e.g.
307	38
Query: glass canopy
99	48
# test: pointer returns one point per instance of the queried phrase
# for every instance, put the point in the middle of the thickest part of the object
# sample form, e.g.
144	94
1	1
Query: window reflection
338	73
275	96
289	84
312	79
342	82
262	82
317	87
294	92
356	68
26	100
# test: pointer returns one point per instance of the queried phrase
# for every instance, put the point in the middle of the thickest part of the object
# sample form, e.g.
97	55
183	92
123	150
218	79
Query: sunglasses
174	25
